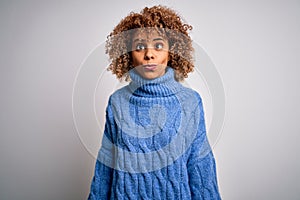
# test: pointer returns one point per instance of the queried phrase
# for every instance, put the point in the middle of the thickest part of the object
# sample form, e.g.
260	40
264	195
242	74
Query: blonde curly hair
168	23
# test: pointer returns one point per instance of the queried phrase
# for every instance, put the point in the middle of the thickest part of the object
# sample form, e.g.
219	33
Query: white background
255	47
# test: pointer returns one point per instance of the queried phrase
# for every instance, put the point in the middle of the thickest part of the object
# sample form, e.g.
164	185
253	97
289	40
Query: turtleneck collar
165	85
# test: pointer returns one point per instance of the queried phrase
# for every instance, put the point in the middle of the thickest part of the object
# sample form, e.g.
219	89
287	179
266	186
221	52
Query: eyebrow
139	40
157	39
143	40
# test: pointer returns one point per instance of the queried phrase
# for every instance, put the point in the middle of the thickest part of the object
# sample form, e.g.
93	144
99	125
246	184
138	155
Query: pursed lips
150	66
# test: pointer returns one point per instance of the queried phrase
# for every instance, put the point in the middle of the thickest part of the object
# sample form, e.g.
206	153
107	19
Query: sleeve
102	181
201	165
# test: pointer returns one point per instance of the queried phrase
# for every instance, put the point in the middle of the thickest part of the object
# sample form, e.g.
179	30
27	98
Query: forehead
148	34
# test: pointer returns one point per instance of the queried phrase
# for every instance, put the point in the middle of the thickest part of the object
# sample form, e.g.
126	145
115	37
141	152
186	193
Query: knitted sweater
154	144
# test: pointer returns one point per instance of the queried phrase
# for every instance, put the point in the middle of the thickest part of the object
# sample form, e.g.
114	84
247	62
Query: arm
101	183
201	165
102	180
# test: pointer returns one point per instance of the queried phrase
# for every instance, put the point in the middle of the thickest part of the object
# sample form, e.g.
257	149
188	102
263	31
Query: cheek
136	58
166	57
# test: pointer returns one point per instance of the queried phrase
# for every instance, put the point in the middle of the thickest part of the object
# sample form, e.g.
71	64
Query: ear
169	56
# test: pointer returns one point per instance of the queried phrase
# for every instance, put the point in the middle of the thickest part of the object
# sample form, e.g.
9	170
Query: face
150	54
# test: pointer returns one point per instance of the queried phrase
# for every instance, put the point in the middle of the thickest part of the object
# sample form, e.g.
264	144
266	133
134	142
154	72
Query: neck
162	86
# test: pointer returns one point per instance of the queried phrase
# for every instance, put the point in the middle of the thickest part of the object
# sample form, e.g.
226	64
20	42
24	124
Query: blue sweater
154	144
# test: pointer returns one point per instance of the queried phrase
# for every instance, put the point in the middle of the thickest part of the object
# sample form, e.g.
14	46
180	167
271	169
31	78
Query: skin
150	54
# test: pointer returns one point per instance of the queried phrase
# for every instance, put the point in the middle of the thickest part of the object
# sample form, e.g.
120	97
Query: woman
155	144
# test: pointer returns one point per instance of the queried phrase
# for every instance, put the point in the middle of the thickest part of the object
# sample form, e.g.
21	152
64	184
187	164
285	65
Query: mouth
150	67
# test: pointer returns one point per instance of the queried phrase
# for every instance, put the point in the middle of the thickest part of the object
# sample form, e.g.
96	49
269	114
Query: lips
150	67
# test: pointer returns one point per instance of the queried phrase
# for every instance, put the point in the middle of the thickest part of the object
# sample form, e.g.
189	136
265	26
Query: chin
153	75
149	77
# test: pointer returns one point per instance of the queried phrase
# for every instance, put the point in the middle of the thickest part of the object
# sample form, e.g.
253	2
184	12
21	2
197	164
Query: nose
149	54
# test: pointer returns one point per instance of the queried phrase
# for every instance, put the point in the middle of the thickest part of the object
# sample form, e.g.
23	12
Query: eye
140	47
159	45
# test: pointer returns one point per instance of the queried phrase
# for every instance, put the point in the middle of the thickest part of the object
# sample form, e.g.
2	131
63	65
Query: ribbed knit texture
137	160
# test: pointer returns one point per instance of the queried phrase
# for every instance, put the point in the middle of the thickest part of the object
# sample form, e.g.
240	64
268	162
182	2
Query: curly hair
167	22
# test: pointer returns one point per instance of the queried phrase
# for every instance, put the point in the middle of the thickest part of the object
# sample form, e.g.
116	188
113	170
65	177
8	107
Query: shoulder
189	93
116	100
119	95
190	100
